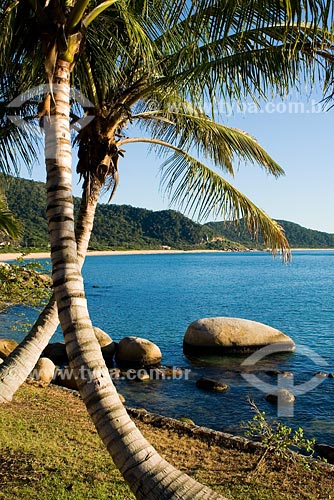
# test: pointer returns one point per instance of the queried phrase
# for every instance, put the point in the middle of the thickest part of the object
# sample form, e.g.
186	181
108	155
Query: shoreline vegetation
100	253
48	443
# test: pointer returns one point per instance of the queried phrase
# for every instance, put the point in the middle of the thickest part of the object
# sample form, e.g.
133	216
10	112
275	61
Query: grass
49	450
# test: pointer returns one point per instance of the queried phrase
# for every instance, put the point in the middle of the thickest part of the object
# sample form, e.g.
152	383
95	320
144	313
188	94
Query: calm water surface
157	296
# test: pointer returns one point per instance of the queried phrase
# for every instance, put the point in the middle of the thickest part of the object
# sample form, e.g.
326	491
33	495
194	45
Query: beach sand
46	255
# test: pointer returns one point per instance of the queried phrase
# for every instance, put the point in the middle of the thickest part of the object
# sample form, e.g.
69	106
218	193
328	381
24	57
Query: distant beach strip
46	255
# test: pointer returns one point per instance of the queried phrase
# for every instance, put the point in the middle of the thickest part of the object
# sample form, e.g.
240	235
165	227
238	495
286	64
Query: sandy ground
46	255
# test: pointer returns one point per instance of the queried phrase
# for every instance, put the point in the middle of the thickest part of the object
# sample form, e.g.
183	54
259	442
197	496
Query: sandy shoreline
46	255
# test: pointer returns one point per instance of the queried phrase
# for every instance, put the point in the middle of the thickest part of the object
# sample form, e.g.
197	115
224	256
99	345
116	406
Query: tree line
125	227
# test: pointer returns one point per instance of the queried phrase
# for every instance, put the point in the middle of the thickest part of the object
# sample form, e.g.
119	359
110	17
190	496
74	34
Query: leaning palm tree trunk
149	475
16	368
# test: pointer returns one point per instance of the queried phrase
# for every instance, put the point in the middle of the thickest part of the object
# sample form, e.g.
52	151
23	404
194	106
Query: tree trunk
150	477
16	367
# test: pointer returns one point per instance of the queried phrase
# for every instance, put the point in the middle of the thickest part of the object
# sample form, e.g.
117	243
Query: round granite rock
222	335
44	370
57	353
103	338
136	352
6	347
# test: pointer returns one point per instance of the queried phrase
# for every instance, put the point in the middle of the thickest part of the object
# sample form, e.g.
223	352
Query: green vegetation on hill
27	200
298	236
115	226
126	227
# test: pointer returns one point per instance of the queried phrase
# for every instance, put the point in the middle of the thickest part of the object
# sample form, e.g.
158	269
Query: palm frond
16	149
216	142
247	62
198	190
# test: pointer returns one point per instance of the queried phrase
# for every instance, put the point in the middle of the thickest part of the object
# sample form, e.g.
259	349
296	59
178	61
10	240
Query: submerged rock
209	384
224	335
273	373
320	375
325	451
285	397
137	352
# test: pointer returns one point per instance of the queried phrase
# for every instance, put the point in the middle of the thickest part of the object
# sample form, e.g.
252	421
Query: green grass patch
49	450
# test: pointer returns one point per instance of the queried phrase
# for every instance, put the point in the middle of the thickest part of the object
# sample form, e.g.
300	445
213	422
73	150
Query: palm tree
72	310
175	125
148	475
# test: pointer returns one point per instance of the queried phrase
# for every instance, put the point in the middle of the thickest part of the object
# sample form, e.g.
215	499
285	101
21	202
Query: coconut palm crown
162	65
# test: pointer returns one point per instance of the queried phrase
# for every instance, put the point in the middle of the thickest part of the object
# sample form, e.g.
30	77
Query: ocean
157	296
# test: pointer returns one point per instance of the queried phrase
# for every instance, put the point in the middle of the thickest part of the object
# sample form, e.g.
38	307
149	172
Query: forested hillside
126	227
298	236
115	227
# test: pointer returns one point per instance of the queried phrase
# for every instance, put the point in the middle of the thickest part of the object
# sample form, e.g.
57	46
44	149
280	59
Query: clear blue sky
301	142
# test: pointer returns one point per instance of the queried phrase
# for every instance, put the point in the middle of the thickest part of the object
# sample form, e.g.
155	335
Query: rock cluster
219	335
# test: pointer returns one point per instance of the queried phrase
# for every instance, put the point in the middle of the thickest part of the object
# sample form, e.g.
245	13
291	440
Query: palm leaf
247	63
197	189
216	142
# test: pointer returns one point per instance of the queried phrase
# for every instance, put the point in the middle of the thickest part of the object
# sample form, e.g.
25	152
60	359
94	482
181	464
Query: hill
127	227
298	236
115	226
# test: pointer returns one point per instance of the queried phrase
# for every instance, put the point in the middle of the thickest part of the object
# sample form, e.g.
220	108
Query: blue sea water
157	296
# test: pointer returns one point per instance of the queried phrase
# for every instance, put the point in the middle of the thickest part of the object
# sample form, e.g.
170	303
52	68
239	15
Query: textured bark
149	475
16	368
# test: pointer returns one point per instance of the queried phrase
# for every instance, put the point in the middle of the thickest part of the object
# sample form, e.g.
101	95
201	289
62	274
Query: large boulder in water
136	352
223	335
6	347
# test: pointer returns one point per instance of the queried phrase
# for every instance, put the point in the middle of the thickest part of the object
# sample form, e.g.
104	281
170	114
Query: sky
297	133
